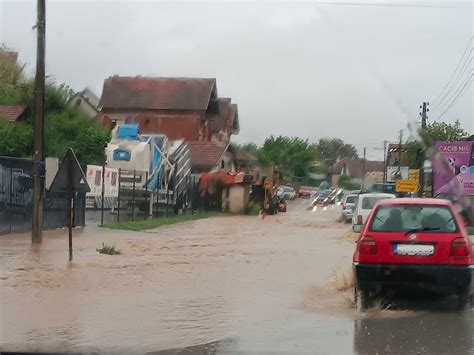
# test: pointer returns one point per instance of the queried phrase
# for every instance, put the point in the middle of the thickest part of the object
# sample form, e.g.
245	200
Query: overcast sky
294	68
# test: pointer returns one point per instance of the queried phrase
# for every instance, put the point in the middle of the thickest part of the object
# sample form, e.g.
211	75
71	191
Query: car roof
376	194
415	201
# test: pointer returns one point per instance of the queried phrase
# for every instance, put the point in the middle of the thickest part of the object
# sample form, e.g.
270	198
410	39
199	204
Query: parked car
363	206
413	244
347	207
305	191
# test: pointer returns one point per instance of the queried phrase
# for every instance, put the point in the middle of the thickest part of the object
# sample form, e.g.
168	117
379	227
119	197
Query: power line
398	4
467	65
446	103
463	90
455	70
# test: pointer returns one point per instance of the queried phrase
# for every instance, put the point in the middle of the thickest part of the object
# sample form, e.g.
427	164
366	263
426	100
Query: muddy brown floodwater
219	285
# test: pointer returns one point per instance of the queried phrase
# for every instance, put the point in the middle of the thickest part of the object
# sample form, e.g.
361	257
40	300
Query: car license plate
413	249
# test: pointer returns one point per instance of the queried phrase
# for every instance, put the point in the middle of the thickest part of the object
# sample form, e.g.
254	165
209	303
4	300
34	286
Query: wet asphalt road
217	286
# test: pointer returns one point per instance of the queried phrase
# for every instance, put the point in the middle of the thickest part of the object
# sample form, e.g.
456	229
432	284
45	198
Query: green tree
16	140
73	129
292	155
346	182
332	149
435	131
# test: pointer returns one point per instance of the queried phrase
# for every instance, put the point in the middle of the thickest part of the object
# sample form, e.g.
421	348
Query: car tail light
459	247
367	245
359	219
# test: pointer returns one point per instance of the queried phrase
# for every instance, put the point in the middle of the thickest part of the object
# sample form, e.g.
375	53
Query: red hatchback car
411	244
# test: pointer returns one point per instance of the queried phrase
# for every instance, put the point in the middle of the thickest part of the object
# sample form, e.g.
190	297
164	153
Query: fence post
11	195
167	201
192	197
133	196
102	196
146	194
118	194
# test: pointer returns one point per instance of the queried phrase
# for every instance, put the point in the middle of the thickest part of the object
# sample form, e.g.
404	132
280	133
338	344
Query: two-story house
180	108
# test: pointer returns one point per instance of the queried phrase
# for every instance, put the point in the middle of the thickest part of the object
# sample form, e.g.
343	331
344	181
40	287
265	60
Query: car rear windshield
351	199
438	219
369	202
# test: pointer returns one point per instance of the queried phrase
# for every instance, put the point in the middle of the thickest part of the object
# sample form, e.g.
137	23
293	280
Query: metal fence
16	200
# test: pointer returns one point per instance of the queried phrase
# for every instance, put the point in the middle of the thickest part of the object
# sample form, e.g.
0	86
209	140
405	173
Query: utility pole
385	161
363	169
424	110
400	138
37	218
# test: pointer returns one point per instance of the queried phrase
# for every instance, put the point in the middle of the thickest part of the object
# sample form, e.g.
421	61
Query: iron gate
16	200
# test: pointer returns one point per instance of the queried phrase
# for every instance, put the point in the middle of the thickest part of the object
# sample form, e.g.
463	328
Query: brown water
281	283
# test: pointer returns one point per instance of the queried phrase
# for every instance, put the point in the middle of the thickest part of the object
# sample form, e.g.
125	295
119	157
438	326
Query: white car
363	206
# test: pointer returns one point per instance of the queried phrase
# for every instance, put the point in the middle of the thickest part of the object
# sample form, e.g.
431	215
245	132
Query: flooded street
218	285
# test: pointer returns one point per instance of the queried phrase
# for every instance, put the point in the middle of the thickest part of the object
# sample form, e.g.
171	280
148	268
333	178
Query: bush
347	183
254	209
16	139
109	250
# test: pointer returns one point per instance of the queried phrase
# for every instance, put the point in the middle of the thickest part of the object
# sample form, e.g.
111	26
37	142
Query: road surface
220	285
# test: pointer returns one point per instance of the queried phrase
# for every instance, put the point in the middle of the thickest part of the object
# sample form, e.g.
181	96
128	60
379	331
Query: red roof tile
356	166
11	112
206	155
157	93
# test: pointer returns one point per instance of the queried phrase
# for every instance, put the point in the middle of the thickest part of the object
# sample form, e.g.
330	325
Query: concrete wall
238	198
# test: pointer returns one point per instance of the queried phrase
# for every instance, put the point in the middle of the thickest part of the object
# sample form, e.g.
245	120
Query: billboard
94	179
453	168
392	172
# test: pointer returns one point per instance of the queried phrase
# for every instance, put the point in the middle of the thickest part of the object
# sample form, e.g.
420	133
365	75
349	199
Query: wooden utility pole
363	169
399	172
37	218
424	110
385	161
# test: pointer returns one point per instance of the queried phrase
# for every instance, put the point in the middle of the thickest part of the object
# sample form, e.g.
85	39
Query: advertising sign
393	172
452	168
94	179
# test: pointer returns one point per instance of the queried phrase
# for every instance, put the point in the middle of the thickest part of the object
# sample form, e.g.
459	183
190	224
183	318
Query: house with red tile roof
180	108
211	156
13	113
355	169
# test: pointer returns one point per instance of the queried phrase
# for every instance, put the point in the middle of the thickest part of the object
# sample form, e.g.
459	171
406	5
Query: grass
161	221
108	249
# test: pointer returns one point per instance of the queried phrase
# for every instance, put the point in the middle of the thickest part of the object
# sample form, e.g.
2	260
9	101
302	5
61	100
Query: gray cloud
294	68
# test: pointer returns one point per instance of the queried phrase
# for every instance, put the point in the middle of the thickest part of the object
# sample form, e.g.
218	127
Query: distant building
355	168
211	156
13	113
180	108
393	153
246	161
86	101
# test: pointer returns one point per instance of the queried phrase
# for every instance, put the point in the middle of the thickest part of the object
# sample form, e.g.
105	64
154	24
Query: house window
222	164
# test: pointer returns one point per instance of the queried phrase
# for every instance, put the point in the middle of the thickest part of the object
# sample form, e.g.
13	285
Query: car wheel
465	301
361	300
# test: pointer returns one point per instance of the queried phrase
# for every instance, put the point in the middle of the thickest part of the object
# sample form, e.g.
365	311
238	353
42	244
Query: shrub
108	249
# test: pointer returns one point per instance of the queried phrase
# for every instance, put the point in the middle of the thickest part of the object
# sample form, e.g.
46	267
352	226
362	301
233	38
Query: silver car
347	207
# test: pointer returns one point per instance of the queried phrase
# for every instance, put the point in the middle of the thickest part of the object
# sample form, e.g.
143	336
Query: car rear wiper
424	229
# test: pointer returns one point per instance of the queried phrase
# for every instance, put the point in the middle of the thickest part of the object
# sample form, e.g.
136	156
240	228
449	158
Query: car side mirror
470	230
357	228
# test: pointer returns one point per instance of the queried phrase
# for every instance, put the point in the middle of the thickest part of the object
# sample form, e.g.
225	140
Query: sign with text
407	186
397	173
414	174
94	179
451	168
